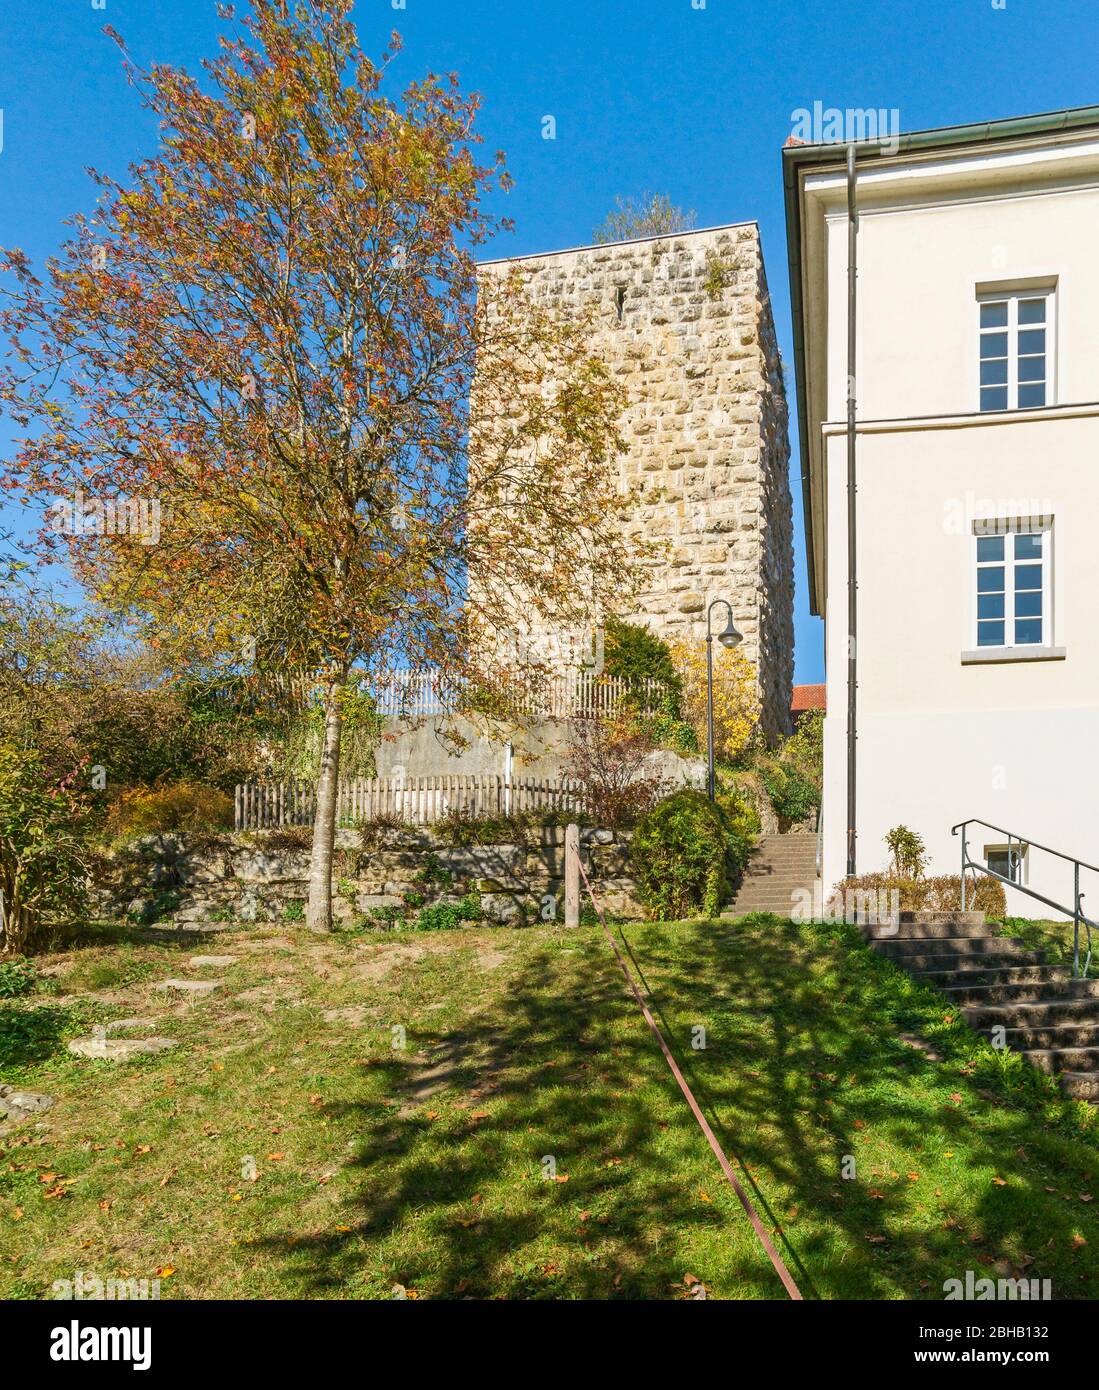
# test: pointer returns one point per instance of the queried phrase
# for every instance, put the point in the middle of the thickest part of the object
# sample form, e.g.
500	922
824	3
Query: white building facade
977	488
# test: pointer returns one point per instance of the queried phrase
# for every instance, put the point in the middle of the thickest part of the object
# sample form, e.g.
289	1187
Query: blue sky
691	101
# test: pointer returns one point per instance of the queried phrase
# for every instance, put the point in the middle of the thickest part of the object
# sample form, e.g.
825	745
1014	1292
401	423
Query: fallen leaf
275	1158
165	1272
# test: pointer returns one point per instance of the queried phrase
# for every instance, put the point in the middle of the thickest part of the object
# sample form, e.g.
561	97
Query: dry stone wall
202	883
685	323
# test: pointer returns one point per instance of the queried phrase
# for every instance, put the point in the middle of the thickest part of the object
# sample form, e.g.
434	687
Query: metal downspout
852	580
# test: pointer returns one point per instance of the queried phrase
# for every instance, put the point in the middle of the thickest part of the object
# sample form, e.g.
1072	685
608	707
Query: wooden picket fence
420	694
417	800
572	695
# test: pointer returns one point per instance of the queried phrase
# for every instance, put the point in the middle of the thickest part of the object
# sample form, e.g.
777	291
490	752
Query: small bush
792	794
941	894
177	806
908	851
294	912
608	764
447	916
16	977
460	829
743	827
680	854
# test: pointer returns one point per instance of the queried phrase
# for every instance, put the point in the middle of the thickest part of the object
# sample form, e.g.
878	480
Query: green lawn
423	1168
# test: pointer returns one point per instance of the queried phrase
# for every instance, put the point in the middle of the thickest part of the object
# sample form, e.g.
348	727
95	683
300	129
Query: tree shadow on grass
29	1035
562	1066
804	1065
828	1073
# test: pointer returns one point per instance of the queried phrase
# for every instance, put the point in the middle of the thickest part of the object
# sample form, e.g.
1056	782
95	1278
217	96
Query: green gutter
796	157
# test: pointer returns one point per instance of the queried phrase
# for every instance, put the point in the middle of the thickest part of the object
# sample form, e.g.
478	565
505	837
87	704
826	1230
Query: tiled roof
807	697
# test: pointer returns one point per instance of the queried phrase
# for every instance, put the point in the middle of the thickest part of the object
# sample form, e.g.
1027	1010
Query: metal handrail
1076	912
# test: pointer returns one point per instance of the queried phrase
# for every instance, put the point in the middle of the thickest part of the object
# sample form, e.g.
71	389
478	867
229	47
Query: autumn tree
269	332
649	214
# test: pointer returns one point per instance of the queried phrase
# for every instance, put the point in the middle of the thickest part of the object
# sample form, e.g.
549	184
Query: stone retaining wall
204	881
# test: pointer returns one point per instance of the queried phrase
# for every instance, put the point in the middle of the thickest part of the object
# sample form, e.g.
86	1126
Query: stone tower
684	321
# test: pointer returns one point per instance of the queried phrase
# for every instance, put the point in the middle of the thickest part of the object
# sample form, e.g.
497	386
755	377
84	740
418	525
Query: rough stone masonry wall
204	882
685	323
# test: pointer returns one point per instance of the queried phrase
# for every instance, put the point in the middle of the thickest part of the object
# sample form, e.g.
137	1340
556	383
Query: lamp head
729	636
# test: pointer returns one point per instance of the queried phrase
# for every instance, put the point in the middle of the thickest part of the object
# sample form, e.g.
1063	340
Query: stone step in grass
17	1106
119	1049
192	987
218	962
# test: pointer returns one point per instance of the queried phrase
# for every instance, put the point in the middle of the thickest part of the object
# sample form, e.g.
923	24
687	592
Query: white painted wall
1013	743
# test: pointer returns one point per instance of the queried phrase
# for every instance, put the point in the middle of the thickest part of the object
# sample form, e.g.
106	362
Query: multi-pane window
1012	589
1016	350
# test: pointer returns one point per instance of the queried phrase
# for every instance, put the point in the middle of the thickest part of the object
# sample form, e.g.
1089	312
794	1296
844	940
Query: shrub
458	828
743	828
634	654
940	894
736	695
680	854
447	916
16	977
42	858
177	806
607	764
908	851
805	747
792	795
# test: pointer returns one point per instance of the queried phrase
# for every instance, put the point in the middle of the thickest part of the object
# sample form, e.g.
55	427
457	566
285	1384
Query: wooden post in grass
572	875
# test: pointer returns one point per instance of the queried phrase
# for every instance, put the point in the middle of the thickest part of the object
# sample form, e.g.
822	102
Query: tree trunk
318	915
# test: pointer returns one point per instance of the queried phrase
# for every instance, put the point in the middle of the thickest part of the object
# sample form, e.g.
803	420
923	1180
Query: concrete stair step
953	945
1058	988
1060	1059
1065	1035
1033	1013
949	930
1080	1085
917	963
968	974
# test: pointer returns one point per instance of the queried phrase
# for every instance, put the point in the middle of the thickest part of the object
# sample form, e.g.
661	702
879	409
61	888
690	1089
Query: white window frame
1012	297
1008	529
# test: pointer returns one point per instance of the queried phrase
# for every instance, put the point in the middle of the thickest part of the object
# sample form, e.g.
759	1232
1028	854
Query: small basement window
1009	861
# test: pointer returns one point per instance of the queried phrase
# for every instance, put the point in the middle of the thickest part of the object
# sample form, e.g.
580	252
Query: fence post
572	874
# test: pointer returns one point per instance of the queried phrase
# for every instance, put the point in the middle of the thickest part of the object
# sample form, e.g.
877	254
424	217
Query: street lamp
728	637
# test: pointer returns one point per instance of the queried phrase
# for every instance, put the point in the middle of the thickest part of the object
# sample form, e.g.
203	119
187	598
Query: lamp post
728	637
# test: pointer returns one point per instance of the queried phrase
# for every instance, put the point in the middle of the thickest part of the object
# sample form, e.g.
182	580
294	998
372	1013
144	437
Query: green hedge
687	850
